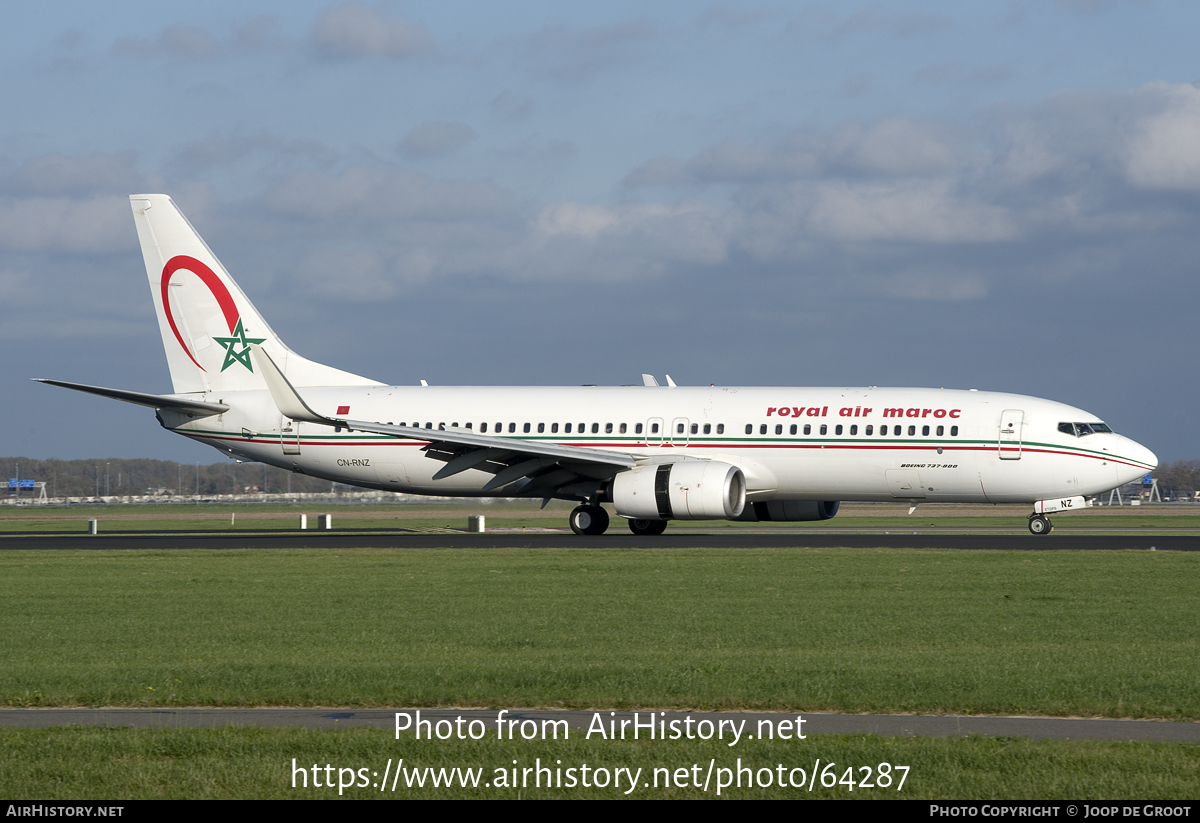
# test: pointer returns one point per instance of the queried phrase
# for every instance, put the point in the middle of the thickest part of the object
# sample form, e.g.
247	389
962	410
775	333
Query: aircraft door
679	432
289	436
1009	444
654	432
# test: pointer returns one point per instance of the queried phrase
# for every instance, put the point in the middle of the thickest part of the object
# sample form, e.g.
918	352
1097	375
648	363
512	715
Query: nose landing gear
1040	524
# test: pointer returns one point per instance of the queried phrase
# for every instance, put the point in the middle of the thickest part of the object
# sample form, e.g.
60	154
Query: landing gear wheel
1039	524
589	520
647	526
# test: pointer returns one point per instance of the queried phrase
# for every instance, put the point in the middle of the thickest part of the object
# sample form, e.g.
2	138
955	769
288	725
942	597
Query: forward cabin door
1009	444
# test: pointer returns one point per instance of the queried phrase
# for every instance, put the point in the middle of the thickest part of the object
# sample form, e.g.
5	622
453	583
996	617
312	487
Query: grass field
1052	633
1174	519
1108	634
228	763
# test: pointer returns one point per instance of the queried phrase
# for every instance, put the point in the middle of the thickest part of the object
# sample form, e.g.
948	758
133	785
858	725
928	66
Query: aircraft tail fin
207	324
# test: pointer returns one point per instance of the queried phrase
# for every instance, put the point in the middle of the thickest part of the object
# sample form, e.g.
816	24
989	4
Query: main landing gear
648	527
589	520
1040	524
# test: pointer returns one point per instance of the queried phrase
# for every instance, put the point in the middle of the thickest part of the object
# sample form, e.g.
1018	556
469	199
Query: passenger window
912	430
762	429
499	428
749	428
854	430
837	429
428	425
924	431
708	428
720	428
954	431
679	428
554	428
695	428
793	429
824	428
541	427
883	431
622	428
567	429
582	428
595	428
808	428
608	428
869	430
469	425
482	427
654	428
779	429
941	430
637	429
526	429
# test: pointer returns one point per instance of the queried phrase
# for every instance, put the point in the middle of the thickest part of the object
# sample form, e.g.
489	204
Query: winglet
289	402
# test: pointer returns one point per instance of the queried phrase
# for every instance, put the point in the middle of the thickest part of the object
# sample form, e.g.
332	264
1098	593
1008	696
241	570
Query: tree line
117	476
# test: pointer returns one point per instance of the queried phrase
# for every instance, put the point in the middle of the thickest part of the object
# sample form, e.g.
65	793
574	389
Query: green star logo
232	355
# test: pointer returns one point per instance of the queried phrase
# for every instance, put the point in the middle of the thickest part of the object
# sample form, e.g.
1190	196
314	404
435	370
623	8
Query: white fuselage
791	443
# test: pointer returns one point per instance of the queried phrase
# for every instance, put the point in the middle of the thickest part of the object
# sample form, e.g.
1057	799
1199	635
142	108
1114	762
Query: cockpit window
1083	429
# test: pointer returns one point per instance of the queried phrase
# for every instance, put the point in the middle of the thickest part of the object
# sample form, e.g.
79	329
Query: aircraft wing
154	401
526	467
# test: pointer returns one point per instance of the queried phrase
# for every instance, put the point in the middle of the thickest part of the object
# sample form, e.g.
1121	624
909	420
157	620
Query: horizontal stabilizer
155	401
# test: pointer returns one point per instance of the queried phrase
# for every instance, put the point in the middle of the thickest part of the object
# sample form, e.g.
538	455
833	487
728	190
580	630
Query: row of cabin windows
609	428
897	431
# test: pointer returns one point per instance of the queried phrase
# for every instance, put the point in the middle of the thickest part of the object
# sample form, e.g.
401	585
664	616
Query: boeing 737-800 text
655	453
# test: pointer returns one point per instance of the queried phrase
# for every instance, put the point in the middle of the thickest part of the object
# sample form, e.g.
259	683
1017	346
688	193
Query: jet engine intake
689	490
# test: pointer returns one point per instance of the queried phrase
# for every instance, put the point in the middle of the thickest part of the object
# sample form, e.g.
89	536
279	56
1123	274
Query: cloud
354	29
508	107
1164	151
224	150
56	174
61	224
178	41
576	56
435	140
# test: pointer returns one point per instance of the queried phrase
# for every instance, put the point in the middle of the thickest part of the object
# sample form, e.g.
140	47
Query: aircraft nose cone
1138	459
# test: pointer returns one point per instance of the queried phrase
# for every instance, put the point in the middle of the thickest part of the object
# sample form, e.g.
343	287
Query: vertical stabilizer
207	323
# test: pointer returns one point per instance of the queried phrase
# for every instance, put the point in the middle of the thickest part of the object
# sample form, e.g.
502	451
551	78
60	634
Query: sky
992	195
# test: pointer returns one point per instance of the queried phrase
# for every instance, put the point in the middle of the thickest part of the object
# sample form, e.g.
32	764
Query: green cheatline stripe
743	440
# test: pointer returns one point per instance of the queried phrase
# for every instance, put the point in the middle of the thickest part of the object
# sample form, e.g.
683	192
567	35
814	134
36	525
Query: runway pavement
915	539
1048	728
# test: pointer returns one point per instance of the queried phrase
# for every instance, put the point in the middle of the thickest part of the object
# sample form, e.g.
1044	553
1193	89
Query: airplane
654	453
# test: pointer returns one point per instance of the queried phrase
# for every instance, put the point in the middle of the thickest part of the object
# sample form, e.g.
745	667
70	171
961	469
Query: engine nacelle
689	490
795	510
